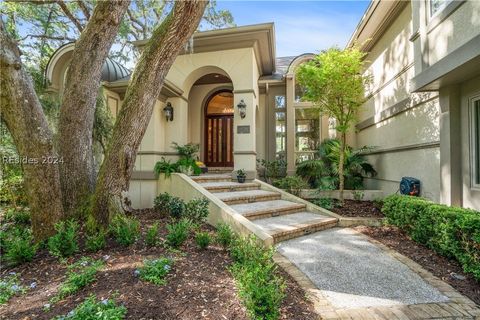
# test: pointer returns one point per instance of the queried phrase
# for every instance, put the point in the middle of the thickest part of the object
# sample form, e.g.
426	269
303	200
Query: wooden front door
219	140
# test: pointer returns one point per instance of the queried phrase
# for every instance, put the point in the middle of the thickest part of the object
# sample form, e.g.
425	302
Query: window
307	133
299	92
437	6
221	103
476	141
280	127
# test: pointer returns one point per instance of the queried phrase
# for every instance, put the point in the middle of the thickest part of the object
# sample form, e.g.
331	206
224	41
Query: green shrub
197	210
156	270
452	232
10	286
18	216
79	275
93	309
165	167
248	250
65	242
176	207
292	184
125	229
187	151
96	241
203	239
178	233
19	247
322	172
272	170
151	238
326	203
225	235
255	273
162	201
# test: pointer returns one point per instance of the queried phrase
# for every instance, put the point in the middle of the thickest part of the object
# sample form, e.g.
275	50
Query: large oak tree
53	191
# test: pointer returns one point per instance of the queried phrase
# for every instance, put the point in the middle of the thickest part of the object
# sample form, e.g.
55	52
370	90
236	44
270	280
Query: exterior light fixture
168	110
242	108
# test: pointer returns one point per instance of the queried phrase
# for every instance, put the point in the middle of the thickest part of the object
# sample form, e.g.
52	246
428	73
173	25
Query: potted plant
241	175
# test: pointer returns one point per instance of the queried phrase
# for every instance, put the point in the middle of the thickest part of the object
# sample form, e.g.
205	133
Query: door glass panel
221	103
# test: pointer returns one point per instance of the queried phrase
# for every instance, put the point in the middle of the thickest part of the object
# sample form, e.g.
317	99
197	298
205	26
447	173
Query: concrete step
229	186
247	196
295	225
212	178
265	209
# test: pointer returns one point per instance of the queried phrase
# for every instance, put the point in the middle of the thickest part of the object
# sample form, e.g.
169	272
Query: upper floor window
476	141
437	6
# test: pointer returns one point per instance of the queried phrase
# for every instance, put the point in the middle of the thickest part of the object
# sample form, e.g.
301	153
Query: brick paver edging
458	306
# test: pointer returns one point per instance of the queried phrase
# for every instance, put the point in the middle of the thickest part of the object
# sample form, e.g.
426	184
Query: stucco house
237	100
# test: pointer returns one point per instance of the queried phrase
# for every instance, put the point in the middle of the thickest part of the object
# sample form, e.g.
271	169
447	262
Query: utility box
410	186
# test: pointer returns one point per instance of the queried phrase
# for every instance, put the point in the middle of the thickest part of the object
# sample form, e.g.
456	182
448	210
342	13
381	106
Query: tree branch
43	36
84	9
70	15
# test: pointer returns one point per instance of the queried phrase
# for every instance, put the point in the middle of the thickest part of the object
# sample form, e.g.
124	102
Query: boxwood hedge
452	232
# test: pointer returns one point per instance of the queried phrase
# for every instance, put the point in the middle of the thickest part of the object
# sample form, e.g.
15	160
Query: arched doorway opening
219	129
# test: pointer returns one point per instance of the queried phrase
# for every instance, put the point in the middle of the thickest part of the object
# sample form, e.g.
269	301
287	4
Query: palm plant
322	172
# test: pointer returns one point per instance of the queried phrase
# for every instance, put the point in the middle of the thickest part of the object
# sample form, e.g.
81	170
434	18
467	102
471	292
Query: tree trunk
23	115
111	193
77	173
341	166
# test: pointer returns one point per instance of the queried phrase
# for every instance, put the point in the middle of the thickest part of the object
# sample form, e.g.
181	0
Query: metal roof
112	71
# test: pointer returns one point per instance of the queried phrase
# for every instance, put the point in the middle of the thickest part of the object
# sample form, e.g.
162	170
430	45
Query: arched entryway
218	136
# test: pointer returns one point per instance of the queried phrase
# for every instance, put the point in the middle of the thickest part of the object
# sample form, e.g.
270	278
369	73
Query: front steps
281	219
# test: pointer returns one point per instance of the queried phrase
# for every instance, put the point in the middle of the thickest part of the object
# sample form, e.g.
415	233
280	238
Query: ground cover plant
207	271
10	286
79	275
450	231
93	309
155	270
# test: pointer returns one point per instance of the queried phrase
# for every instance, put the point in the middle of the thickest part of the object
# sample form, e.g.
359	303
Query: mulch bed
199	286
359	208
448	270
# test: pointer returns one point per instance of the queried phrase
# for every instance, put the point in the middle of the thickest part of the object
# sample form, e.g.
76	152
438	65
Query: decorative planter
241	179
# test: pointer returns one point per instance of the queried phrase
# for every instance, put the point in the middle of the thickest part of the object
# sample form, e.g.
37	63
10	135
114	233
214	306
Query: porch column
290	128
450	147
244	142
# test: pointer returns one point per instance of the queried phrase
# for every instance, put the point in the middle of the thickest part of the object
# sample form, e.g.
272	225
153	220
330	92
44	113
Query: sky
301	26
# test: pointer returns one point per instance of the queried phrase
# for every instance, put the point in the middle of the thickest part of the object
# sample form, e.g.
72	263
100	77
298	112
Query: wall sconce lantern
168	110
242	108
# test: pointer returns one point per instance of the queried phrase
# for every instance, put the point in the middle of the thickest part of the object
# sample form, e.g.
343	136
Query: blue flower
12	273
71	313
47	305
33	285
15	288
136	273
166	267
105	301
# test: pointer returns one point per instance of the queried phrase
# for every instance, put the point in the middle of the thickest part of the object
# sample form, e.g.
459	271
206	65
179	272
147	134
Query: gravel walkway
352	272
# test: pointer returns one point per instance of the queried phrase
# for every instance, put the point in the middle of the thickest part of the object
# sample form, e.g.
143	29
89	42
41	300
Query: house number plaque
243	129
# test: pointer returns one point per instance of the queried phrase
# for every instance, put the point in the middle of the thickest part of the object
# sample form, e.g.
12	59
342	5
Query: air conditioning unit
410	186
